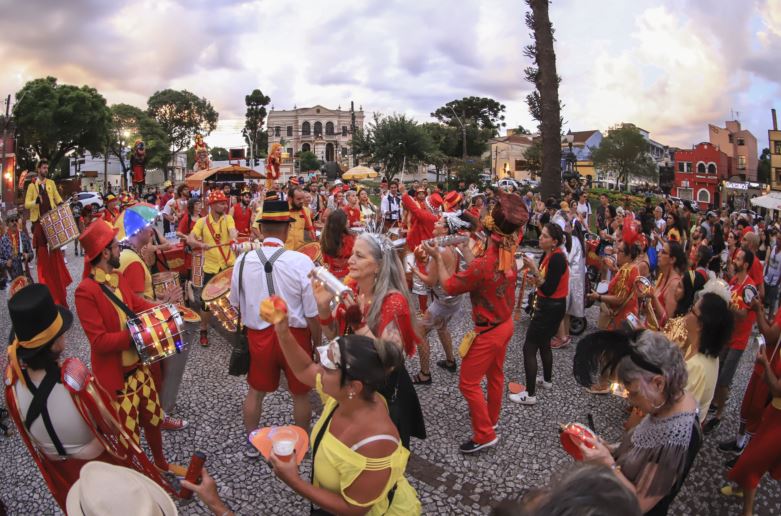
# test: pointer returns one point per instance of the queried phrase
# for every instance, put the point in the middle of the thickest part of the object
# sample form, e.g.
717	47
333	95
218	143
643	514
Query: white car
506	183
87	199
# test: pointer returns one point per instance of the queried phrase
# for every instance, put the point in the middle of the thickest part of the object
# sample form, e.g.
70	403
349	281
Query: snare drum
163	281
312	250
59	226
215	297
157	333
197	272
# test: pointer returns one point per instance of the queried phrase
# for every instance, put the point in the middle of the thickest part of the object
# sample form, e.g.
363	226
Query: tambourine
602	287
571	435
644	284
749	293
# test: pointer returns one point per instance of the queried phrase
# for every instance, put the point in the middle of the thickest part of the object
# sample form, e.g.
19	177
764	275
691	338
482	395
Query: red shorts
266	360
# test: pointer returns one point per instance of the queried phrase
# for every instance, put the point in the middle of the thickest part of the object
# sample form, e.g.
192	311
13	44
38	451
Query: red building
698	173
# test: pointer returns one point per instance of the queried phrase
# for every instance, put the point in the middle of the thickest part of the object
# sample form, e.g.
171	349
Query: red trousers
485	359
763	453
755	400
63	474
53	273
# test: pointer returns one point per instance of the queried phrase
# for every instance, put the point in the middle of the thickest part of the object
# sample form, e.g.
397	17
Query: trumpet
443	241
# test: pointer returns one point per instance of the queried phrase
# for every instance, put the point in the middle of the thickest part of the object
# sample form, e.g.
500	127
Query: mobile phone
761	343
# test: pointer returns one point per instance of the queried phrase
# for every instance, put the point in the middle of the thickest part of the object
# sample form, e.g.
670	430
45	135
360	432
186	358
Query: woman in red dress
336	244
353	210
381	309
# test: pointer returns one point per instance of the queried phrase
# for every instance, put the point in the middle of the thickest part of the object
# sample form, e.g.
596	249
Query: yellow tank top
128	257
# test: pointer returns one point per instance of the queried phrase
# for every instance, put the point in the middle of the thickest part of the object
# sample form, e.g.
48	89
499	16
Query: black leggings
545	322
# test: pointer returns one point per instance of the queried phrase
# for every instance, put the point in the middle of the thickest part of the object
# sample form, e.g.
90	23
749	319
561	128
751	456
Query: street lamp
463	129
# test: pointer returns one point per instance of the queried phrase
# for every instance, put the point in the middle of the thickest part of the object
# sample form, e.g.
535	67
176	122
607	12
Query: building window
741	142
685	194
520	164
318	128
329	128
681	167
731	139
277	131
306	148
290	151
306	129
778	175
703	195
776	147
290	130
741	162
700	167
344	132
712	168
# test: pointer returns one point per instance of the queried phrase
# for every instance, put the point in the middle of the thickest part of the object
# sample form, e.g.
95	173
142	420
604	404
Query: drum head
312	250
749	293
571	435
602	287
218	286
188	315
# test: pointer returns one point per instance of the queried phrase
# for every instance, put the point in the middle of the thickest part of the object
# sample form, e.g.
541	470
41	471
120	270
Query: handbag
469	339
238	364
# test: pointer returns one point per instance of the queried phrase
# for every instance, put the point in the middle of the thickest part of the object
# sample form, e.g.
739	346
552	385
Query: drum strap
39	406
267	267
118	302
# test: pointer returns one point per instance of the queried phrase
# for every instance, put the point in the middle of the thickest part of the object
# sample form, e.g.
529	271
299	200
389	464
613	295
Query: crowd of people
679	295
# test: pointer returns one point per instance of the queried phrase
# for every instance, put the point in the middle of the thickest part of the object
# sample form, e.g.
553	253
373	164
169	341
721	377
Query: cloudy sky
669	66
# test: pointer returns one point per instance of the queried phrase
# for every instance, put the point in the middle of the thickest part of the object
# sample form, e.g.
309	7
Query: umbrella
135	218
771	201
359	172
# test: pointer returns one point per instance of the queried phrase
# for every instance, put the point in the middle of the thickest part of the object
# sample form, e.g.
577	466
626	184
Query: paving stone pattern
447	481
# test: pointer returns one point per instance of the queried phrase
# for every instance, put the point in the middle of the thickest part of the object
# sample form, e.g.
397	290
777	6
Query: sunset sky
669	66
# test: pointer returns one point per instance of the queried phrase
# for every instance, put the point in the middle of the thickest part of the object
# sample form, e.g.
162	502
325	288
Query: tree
624	153
482	117
522	130
254	135
763	167
544	100
128	124
308	161
219	154
393	142
181	114
54	120
533	157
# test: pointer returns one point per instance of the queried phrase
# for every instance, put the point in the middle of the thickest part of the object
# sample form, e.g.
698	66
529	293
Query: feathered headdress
454	221
629	232
599	353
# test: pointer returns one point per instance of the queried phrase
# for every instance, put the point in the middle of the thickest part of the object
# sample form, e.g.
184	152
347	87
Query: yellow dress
337	467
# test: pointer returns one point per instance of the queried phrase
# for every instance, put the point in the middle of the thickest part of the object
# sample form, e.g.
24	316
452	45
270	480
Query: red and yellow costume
242	217
622	286
138	163
300	229
272	164
42	196
337	265
421	222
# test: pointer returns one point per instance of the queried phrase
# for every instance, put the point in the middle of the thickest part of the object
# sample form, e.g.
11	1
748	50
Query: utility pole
352	129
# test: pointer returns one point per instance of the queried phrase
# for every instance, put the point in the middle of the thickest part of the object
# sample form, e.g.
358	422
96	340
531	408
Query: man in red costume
242	213
138	166
421	219
42	196
104	301
490	280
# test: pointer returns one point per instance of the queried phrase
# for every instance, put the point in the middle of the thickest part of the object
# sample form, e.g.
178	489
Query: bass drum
312	250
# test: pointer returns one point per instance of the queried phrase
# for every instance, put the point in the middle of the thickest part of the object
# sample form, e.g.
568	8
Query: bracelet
615	467
599	298
327	321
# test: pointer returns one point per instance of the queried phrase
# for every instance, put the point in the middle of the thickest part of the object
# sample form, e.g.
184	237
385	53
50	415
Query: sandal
447	364
418	379
204	340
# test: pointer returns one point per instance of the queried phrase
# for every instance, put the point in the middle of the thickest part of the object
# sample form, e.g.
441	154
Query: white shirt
291	282
390	207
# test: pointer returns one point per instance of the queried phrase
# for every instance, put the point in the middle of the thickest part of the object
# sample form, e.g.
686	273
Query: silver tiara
454	221
383	242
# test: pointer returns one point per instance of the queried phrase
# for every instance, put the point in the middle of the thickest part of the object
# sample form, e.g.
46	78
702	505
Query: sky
668	66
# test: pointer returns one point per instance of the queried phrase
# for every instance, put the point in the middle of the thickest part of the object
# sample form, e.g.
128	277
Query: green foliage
308	161
616	198
469	170
254	119
128	124
392	142
54	120
522	130
533	157
181	115
763	167
219	154
623	152
482	117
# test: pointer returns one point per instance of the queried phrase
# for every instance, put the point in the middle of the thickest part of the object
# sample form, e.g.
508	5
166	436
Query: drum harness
39	407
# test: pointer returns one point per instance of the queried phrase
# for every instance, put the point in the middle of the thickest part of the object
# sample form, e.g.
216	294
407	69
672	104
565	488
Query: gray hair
390	275
656	349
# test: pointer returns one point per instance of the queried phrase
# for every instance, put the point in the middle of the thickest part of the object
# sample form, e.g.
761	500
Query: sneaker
597	390
557	343
204	338
728	490
174	423
542	383
471	447
730	446
250	451
524	398
712	424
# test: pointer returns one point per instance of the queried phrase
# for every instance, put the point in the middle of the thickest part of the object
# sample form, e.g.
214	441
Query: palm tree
544	101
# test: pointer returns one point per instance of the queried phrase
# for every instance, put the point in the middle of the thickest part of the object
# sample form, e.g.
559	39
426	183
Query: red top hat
435	200
294	181
97	237
452	199
217	196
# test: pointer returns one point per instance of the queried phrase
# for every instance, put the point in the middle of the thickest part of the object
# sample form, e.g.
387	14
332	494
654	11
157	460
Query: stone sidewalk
447	482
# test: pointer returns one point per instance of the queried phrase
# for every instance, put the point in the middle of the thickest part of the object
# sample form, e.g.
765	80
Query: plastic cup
283	442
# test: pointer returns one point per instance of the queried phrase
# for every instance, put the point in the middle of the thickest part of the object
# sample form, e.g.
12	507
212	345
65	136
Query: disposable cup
283	442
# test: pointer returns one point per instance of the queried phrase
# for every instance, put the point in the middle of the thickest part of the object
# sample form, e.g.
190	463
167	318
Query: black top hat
36	320
276	211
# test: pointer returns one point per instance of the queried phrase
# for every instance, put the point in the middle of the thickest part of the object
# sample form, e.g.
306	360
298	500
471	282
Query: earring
351	395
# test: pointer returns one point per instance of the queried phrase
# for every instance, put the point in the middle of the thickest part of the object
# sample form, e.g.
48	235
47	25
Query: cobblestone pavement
447	482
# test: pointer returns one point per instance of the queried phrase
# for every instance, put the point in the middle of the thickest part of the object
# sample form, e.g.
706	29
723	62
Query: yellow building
774	139
508	156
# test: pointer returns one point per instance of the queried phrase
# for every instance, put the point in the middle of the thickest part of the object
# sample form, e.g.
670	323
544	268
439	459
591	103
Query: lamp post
463	129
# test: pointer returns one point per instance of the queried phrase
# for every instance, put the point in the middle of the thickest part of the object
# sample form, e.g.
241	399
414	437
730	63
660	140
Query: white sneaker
542	383
523	398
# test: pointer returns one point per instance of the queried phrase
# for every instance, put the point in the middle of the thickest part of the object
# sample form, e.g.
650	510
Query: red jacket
101	324
421	226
